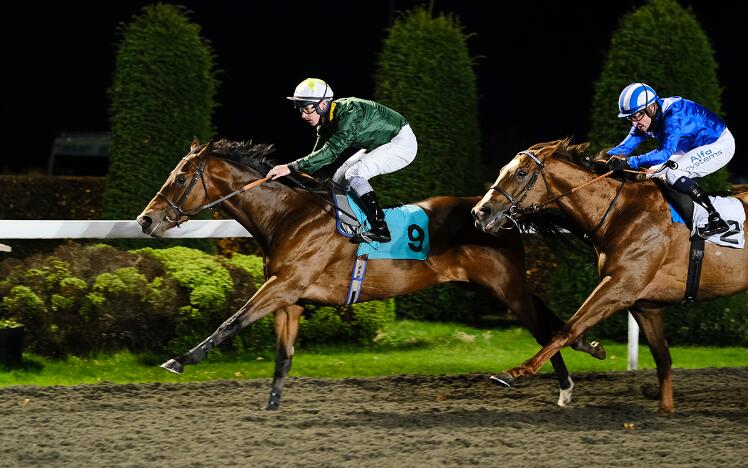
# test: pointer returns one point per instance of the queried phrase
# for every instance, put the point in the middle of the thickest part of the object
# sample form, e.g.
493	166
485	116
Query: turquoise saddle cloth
409	228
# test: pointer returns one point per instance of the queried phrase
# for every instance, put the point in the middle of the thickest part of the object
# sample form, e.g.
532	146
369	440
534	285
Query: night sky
536	67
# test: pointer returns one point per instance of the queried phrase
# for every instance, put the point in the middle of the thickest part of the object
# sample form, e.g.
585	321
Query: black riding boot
715	223
378	231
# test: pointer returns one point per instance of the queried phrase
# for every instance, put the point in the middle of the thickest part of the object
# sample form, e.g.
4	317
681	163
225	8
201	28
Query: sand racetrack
393	421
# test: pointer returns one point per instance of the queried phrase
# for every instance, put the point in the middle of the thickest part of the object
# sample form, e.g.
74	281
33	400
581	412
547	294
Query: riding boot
378	232
715	223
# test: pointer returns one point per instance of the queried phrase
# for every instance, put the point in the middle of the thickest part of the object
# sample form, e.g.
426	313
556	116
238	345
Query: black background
535	61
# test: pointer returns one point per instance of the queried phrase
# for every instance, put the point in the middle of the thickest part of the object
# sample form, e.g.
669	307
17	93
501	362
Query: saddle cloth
408	225
732	212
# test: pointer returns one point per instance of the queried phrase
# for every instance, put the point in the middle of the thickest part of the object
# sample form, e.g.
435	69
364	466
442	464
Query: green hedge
97	298
425	72
663	45
162	97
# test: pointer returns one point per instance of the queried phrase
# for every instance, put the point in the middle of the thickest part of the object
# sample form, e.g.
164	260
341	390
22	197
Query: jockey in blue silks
693	142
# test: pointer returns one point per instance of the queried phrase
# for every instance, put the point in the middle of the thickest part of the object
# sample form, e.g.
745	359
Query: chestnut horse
642	254
306	260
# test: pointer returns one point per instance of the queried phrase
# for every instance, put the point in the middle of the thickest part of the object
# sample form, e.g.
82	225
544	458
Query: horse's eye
521	173
180	179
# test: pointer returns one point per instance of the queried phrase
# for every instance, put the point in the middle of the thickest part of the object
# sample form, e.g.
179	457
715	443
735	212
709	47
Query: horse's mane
257	156
577	155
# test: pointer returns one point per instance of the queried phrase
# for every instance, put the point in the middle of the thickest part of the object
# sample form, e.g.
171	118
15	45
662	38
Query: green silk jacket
351	123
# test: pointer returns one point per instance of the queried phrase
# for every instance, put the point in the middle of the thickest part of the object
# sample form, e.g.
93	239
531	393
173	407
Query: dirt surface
394	421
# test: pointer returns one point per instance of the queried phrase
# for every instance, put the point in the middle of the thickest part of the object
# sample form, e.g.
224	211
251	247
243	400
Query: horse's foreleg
273	295
540	320
608	297
652	325
286	330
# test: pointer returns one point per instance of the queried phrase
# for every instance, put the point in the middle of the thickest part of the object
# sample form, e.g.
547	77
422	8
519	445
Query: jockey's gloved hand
671	164
617	164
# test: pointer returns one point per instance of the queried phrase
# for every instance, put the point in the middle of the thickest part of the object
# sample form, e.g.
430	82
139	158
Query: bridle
515	211
199	172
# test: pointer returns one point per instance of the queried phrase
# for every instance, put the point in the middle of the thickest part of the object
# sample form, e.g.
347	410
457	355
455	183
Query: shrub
162	97
97	298
425	65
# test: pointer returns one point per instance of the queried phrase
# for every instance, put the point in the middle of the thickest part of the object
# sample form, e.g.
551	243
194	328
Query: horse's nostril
481	213
144	221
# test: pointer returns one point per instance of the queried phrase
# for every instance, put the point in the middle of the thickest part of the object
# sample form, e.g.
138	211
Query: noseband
199	172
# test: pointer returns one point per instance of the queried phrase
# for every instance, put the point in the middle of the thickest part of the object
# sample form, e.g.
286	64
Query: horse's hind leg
534	315
286	331
651	323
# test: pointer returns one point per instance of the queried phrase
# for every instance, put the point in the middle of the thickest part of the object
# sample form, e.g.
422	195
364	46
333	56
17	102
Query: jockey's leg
715	223
378	230
700	162
385	159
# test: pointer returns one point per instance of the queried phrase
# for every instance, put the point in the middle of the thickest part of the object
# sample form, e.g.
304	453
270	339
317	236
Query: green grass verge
406	347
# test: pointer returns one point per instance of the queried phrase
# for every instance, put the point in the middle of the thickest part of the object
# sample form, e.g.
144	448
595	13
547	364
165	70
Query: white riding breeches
389	157
701	161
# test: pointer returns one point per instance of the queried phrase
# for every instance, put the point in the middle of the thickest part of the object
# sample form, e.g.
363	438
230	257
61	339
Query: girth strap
357	279
694	269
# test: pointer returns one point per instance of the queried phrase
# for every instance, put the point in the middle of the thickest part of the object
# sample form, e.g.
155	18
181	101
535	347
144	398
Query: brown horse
642	254
307	261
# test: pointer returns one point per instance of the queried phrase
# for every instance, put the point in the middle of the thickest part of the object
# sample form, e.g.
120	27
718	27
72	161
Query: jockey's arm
329	152
629	144
672	133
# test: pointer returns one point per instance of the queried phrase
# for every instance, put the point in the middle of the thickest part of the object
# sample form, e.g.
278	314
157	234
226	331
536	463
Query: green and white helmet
311	91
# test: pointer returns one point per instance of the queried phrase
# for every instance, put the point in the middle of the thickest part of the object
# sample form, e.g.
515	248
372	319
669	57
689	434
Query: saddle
409	227
693	215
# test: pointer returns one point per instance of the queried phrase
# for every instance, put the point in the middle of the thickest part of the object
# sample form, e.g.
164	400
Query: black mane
256	156
576	154
246	153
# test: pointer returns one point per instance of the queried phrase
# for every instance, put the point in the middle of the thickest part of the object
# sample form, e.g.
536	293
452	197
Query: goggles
636	116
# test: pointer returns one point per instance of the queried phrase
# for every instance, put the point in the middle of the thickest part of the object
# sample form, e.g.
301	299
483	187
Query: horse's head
181	196
522	186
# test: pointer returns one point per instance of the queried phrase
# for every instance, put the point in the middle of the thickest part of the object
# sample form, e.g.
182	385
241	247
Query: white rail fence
103	229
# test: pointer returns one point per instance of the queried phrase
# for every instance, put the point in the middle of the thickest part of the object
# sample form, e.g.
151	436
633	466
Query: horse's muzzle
488	220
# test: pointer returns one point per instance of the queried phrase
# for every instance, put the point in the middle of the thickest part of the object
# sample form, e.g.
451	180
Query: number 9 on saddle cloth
408	224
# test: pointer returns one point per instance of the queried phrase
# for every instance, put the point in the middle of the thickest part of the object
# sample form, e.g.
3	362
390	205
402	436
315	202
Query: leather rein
516	211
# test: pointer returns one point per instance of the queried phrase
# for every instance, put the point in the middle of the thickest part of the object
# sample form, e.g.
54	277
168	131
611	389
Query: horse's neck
265	210
598	206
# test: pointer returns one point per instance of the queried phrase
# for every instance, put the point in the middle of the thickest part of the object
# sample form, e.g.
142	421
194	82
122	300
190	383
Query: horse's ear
550	148
195	144
207	150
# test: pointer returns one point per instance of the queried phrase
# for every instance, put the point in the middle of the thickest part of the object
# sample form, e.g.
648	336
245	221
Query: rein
515	210
200	171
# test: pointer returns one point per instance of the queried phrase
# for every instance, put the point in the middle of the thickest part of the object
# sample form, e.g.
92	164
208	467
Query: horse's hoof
564	396
271	407
598	350
503	380
173	366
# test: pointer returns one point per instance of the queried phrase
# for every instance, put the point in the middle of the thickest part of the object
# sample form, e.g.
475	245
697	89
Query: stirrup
713	227
372	236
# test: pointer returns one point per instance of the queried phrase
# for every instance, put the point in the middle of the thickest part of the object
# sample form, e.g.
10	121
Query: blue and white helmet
634	98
